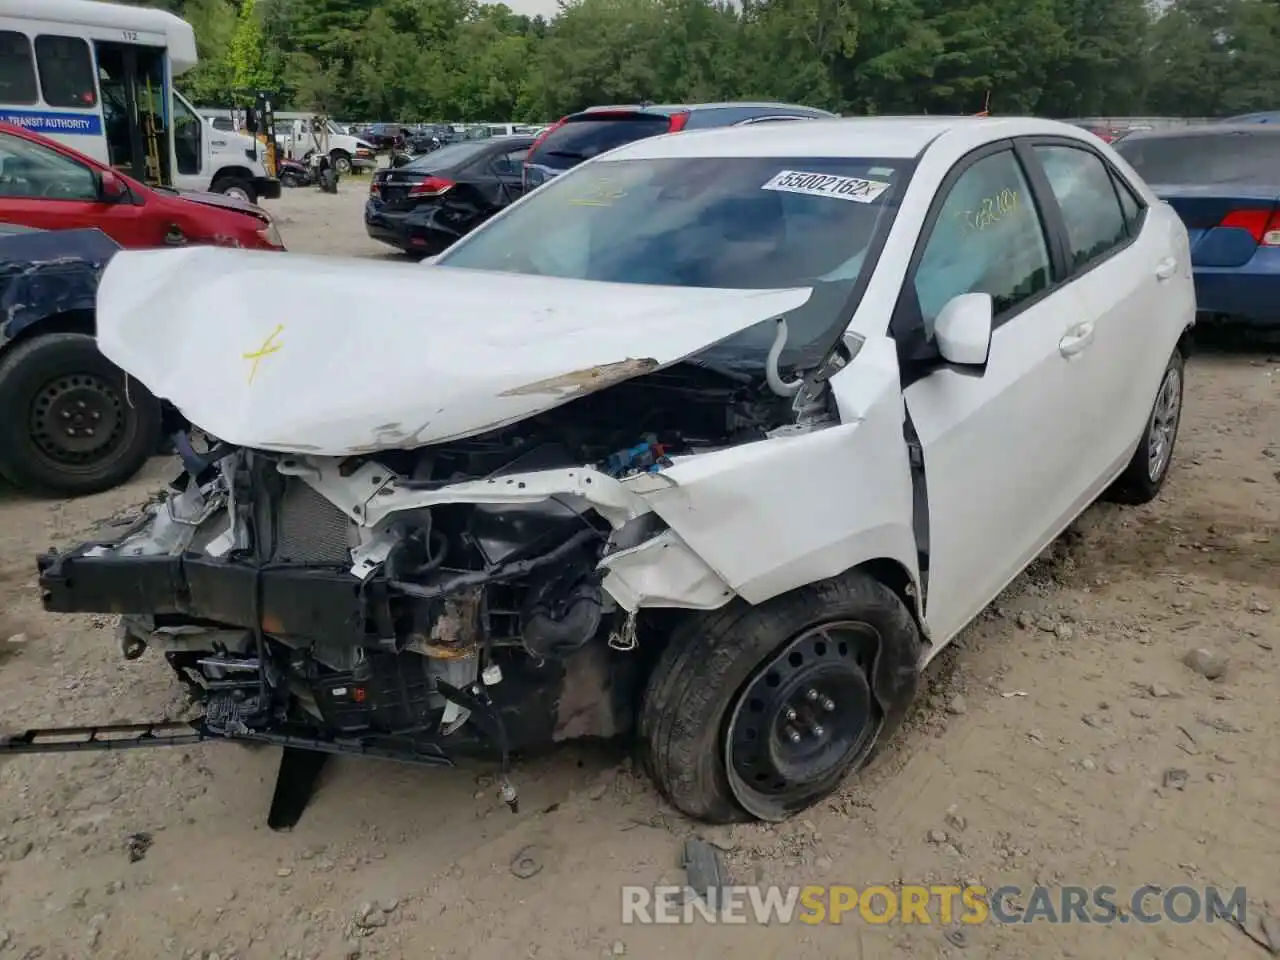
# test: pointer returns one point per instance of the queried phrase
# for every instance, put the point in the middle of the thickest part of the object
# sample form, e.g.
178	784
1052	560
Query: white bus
98	77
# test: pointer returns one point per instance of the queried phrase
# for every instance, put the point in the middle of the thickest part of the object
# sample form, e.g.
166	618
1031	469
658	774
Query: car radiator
308	528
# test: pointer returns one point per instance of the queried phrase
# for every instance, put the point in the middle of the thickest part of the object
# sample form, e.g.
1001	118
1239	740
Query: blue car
1266	116
1224	182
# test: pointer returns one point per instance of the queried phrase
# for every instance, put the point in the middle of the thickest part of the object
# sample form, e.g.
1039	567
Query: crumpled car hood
225	202
335	357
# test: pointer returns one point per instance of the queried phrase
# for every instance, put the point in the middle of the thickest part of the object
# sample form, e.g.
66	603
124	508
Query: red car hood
226	203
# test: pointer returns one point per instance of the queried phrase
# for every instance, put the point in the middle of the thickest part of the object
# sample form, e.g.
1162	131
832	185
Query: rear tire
1145	475
70	425
719	718
289	179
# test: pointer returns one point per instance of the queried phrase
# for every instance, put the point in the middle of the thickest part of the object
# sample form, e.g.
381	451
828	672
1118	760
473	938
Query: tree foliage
464	59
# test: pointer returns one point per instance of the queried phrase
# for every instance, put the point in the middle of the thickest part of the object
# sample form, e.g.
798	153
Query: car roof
691	107
887	137
1223	129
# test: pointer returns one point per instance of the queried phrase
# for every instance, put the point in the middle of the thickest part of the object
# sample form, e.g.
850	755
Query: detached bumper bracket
303	758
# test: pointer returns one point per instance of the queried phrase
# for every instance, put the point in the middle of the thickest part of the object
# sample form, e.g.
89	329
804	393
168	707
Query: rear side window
1130	205
1082	185
1226	158
17	69
447	157
579	140
66	72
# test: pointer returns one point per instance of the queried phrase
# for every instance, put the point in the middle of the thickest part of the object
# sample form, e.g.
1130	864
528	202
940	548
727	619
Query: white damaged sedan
716	440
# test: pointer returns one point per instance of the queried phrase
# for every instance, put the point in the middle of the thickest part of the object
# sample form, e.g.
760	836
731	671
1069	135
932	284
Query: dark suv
387	136
581	136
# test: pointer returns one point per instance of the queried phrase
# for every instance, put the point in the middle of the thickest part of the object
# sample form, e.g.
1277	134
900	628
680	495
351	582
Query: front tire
762	711
71	424
1146	473
341	162
237	188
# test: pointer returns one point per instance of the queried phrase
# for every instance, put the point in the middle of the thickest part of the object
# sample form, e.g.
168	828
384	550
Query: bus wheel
74	423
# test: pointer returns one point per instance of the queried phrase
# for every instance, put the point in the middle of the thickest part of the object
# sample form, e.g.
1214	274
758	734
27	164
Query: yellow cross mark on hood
268	347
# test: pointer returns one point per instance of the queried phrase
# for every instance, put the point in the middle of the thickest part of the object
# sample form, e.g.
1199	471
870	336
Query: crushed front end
479	597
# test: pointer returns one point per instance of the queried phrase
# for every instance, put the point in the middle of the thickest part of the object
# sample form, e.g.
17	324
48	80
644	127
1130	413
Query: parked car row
424	206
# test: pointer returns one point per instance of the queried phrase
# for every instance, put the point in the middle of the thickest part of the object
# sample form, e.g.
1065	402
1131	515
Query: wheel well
231	173
1184	342
70	321
344	153
898	579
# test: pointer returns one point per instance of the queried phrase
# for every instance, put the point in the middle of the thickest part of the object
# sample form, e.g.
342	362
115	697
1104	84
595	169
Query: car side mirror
963	329
111	189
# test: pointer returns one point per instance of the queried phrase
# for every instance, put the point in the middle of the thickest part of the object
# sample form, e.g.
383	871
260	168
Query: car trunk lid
1225	223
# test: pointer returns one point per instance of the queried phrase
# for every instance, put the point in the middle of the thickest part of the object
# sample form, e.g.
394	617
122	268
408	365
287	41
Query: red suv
51	187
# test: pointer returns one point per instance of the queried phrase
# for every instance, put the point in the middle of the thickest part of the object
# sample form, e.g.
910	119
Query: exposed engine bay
434	596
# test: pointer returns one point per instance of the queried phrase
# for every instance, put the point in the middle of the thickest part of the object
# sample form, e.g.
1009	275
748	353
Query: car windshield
447	157
743	223
1204	160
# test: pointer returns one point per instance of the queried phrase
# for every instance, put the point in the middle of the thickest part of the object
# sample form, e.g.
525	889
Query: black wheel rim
77	420
805	716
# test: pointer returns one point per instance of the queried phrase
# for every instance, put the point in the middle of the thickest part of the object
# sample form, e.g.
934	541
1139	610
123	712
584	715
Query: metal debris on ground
1175	779
137	845
704	868
526	863
957	937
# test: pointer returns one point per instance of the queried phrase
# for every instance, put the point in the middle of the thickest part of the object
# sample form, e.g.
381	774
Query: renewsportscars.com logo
934	904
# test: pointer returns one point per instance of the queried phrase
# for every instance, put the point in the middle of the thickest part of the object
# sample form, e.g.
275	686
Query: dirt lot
1040	754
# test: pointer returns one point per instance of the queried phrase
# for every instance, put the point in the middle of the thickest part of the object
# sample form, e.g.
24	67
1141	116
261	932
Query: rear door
585	135
1129	272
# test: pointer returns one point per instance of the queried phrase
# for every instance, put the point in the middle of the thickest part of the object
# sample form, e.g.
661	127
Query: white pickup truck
298	138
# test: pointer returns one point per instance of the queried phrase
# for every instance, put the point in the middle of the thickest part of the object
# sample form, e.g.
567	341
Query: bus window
66	72
17	71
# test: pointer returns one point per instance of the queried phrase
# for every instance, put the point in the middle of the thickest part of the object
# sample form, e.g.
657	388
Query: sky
533	7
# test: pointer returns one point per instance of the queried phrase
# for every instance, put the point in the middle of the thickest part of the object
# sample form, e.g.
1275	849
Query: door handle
1166	268
1076	339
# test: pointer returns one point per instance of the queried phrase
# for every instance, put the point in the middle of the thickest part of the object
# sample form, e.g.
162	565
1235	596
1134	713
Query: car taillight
1262	225
678	122
430	187
271	236
374	186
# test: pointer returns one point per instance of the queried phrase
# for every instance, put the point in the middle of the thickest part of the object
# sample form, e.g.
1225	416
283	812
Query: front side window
1082	185
187	128
31	171
744	223
507	165
17	69
66	72
988	238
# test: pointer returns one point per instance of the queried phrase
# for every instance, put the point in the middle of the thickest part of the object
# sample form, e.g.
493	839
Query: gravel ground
1062	740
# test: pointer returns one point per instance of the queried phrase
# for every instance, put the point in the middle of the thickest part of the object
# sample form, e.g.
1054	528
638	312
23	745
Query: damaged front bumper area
343	599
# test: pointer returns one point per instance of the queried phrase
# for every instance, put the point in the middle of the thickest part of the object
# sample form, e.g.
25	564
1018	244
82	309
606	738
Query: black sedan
430	202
